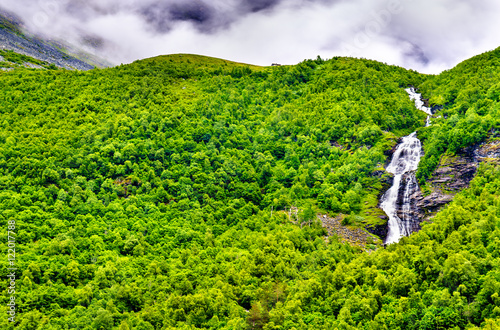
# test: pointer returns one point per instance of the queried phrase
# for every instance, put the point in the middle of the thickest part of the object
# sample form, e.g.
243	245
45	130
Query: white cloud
427	35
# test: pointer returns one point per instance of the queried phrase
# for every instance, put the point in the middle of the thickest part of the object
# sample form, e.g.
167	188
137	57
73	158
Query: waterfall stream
419	104
396	202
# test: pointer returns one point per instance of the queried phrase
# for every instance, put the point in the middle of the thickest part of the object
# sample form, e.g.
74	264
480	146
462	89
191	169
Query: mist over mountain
14	37
427	36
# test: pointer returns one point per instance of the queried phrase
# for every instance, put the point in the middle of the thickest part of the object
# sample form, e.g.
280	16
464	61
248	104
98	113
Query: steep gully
397	201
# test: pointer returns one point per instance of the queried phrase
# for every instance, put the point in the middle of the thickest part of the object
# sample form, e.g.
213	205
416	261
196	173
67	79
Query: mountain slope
143	161
14	38
469	96
159	195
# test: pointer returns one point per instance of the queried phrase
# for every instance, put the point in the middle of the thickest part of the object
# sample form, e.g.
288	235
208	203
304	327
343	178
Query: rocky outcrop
379	230
487	151
346	234
40	50
408	211
405	203
452	175
387	180
390	152
14	37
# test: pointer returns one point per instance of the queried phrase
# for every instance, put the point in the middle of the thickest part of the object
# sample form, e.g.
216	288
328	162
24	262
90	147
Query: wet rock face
404	203
396	202
379	230
452	175
391	152
408	210
409	213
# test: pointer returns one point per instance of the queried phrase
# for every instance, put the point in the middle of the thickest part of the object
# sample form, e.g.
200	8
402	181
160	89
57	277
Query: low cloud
428	36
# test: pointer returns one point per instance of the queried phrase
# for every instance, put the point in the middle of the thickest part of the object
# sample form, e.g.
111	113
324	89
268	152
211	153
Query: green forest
153	195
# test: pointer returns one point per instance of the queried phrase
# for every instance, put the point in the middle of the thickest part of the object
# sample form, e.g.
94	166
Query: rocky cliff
387	179
453	174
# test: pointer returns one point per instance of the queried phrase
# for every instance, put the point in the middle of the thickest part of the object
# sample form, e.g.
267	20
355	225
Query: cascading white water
419	104
405	160
403	165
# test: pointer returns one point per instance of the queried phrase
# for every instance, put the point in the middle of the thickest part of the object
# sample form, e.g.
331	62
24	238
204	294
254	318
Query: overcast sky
426	35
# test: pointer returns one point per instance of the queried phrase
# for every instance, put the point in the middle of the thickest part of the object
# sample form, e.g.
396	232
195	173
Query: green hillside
469	95
151	196
11	59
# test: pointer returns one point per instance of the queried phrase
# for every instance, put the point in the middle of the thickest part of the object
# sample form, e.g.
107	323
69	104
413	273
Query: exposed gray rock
452	175
32	66
40	50
14	36
487	151
379	230
347	234
411	216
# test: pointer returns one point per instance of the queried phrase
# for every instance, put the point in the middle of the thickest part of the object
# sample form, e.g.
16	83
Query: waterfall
404	161
419	104
396	202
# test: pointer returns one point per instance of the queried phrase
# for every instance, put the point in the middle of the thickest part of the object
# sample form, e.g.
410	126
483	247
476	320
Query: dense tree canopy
467	98
142	197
